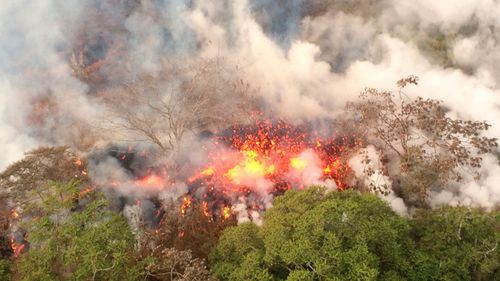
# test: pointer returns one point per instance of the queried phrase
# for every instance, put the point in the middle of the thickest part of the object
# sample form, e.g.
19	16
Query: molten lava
245	163
151	181
275	154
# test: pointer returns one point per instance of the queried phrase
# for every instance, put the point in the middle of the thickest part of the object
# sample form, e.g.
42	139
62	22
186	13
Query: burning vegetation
179	204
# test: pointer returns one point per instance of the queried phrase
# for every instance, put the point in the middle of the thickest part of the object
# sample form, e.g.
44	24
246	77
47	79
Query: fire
14	214
298	164
208	171
204	206
17	248
269	152
87	190
250	167
265	157
186	203
247	162
226	212
152	181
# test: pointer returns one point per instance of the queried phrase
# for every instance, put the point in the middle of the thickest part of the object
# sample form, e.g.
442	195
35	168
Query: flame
87	190
204	206
186	203
226	212
14	214
298	164
151	181
79	162
251	167
208	171
249	160
17	248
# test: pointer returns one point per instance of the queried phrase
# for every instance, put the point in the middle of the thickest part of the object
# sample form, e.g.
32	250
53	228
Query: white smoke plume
306	58
377	180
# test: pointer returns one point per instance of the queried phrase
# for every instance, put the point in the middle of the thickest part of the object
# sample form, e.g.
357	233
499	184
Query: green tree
456	243
5	249
5	270
89	244
315	235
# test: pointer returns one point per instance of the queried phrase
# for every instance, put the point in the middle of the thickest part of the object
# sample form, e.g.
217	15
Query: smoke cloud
62	63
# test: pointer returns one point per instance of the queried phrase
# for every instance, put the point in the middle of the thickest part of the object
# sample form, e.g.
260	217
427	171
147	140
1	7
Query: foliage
169	264
37	169
313	235
176	248
5	249
310	235
194	230
456	243
5	270
90	244
429	148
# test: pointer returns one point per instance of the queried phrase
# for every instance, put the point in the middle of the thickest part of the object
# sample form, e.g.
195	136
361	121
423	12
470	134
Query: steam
59	61
377	180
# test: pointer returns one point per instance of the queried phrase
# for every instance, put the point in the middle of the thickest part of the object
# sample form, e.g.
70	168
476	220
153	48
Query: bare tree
163	108
426	148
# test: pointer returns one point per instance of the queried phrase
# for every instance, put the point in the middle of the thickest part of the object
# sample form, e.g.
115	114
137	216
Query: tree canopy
314	235
91	244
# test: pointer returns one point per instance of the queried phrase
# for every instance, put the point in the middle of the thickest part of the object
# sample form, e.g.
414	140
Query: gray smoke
59	61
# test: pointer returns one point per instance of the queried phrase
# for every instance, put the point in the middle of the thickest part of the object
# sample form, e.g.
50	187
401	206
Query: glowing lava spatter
152	181
274	154
254	162
17	248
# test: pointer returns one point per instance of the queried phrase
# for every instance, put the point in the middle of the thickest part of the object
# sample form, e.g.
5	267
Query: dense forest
311	234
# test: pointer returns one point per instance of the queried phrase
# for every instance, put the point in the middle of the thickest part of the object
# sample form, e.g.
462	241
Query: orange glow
298	164
86	190
246	161
17	249
226	212
14	214
250	167
327	170
186	203
204	206
333	167
151	181
208	171
79	162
